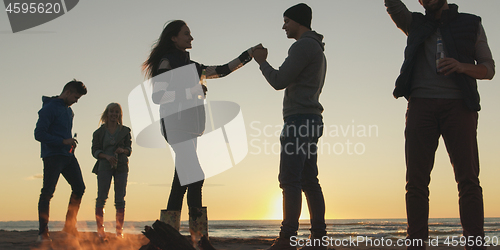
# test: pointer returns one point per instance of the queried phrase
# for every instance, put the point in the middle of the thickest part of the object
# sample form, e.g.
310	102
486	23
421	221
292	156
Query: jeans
426	121
299	172
104	178
53	166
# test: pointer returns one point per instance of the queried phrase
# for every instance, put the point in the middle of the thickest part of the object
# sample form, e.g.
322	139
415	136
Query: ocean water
247	229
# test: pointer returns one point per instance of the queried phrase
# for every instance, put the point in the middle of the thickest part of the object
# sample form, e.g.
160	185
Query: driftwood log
164	237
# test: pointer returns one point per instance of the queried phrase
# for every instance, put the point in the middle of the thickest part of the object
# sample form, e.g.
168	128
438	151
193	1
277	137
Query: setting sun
276	208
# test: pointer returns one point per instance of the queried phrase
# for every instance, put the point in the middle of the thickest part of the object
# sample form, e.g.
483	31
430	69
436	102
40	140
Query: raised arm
400	14
298	58
226	69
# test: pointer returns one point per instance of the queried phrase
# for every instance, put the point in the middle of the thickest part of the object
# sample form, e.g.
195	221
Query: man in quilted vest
446	52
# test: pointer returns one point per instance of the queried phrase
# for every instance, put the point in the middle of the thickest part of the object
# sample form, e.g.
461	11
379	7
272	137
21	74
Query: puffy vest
459	32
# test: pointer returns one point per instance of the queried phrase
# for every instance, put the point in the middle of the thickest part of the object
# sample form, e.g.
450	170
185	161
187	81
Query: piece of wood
164	237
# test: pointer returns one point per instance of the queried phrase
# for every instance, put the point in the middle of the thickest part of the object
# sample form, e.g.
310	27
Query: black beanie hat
300	13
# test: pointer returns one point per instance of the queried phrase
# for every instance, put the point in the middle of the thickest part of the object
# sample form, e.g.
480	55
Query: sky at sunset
361	160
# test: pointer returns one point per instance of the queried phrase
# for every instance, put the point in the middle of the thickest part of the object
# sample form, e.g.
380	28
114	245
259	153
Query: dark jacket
459	32
55	121
124	140
182	115
186	122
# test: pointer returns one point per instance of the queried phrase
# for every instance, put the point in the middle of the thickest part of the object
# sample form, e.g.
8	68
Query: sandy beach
26	240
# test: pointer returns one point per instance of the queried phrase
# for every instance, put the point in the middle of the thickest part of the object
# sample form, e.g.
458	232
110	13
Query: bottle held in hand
72	149
439	54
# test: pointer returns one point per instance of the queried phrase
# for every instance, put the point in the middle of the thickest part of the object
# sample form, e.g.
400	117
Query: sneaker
44	237
282	244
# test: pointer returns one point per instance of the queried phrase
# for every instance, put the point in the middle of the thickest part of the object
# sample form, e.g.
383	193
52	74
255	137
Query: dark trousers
53	167
177	194
426	121
186	160
104	178
299	172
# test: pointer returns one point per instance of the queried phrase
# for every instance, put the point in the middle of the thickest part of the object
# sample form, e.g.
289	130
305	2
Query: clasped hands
259	53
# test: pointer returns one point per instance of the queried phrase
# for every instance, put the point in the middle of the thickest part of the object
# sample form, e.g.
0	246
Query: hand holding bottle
449	65
71	141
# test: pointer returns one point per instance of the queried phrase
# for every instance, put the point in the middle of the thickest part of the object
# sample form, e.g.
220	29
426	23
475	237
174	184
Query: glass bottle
439	53
72	149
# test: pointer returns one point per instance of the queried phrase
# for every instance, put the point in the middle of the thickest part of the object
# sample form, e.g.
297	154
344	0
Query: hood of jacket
316	36
48	99
55	121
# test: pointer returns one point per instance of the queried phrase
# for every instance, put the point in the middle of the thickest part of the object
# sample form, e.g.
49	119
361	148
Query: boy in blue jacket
53	131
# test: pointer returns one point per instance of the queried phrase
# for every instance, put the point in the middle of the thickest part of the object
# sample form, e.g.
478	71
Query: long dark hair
161	46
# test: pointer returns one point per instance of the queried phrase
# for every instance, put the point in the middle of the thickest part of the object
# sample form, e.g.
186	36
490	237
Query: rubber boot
99	219
172	218
198	227
73	207
120	218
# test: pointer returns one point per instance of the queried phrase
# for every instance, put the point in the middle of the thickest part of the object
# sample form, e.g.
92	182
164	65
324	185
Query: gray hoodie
302	75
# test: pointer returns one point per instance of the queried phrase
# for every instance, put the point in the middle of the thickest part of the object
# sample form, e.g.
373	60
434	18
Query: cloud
35	177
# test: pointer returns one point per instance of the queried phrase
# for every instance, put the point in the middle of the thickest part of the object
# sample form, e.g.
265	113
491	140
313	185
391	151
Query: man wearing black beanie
300	13
302	75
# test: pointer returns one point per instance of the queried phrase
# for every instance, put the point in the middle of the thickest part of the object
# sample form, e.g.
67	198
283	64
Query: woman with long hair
182	126
111	146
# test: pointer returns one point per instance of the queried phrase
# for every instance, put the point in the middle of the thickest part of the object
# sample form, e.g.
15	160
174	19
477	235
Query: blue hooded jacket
55	121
